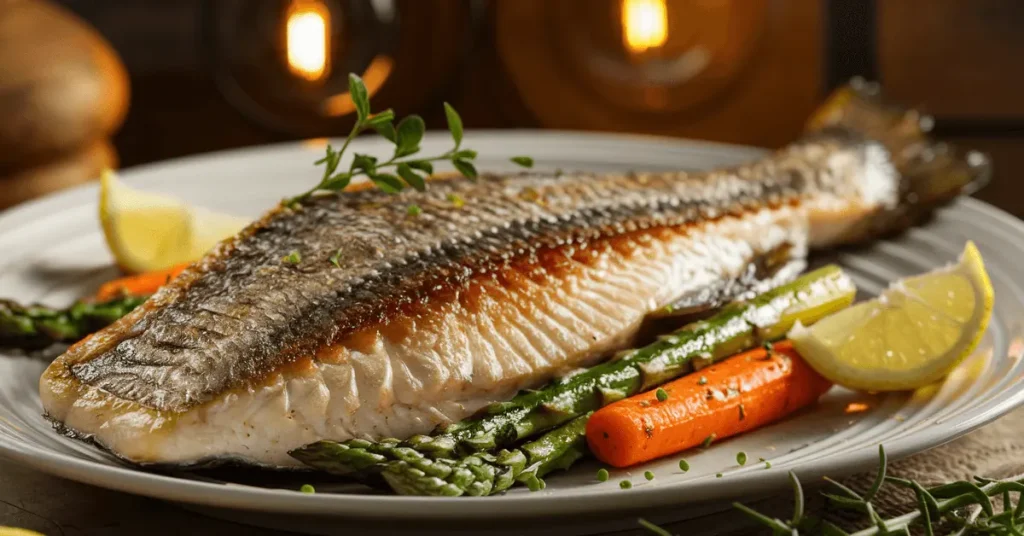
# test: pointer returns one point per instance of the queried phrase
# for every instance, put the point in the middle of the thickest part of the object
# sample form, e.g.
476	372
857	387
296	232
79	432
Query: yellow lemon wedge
910	336
148	232
14	531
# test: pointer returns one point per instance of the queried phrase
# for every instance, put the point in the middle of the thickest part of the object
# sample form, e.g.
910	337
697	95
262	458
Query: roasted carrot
138	285
741	393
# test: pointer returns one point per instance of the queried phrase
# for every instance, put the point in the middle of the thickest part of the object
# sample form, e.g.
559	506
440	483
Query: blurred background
84	84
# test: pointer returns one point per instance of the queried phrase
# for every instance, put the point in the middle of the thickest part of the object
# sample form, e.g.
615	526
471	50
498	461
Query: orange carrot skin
741	393
138	285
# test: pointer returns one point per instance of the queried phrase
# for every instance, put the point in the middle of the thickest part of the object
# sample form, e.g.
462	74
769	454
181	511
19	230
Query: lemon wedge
912	335
14	531
148	232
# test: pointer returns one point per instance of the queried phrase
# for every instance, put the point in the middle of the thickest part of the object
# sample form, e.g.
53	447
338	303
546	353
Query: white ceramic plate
53	252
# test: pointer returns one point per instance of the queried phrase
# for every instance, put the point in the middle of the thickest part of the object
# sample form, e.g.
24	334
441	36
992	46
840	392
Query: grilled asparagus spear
35	326
487	474
737	327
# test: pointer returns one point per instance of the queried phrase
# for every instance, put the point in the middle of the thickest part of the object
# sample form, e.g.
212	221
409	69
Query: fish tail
931	172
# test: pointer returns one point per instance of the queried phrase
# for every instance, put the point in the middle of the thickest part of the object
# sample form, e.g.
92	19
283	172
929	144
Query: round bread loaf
62	87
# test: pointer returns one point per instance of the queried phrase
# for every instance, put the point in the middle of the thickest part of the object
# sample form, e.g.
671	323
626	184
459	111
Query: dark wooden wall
961	61
964	63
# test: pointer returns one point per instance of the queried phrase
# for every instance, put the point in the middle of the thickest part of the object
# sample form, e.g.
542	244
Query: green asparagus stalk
737	327
486	474
35	326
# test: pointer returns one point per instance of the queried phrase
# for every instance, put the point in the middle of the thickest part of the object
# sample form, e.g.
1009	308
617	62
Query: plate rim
437	508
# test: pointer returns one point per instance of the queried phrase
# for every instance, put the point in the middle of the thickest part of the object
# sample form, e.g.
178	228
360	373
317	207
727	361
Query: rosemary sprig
406	136
965	507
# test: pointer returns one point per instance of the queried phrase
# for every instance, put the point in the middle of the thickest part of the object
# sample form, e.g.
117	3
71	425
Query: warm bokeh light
856	407
644	24
307	33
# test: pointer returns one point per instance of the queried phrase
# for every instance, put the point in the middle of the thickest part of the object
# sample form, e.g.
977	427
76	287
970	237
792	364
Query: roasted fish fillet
426	319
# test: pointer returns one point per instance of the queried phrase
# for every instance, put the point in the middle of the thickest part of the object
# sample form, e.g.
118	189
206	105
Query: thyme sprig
964	507
406	137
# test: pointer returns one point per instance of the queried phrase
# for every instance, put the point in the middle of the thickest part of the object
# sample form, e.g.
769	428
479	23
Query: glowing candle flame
644	24
306	39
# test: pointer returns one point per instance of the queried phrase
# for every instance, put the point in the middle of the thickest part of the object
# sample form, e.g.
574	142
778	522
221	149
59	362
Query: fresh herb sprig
963	507
406	137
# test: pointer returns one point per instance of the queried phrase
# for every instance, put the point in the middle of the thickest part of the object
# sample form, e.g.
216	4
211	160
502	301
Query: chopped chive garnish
413	210
684	465
335	259
741	458
306	488
718	475
649	475
743	412
602	475
292	258
661	394
708	440
652	528
456	200
524	161
625	484
768	346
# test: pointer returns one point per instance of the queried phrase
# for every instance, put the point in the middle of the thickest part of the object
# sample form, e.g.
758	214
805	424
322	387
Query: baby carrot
138	285
738	394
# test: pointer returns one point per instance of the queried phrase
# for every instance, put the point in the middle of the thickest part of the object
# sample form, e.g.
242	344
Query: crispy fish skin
429	318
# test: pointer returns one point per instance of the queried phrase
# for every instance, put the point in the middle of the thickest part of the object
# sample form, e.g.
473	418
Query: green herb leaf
467	169
454	123
654	529
422	165
336	183
381	118
798	500
524	161
410	132
413	210
357	90
464	154
335	258
387	130
408	175
292	258
387	182
364	162
327	156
